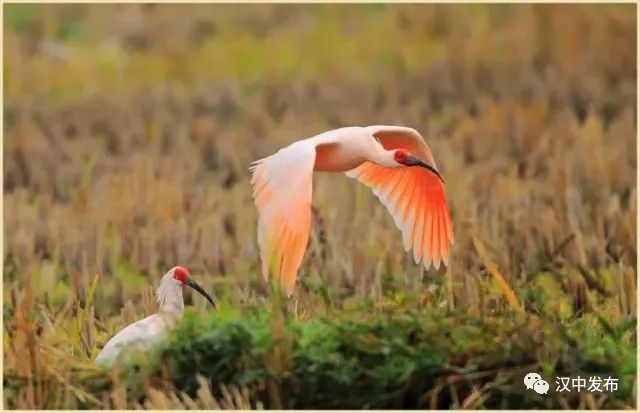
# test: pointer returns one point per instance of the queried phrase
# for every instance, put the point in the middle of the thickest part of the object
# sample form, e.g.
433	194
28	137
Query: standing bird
394	161
152	329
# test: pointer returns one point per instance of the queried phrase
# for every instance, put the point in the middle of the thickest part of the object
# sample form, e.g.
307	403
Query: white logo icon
530	379
541	387
533	381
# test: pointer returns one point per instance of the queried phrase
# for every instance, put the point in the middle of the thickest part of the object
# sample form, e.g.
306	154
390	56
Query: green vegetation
128	132
402	356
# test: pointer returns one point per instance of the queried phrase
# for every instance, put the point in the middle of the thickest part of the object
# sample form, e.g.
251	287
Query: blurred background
129	130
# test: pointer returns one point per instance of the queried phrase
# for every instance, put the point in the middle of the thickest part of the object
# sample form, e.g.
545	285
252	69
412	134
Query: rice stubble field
128	133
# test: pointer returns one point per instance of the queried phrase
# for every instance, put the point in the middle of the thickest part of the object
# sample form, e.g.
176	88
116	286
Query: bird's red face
181	274
404	157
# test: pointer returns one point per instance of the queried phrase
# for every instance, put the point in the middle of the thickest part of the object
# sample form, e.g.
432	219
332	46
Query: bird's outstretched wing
414	196
282	192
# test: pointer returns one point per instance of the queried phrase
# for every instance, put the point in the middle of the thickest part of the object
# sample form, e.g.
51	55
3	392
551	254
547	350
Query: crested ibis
152	329
394	161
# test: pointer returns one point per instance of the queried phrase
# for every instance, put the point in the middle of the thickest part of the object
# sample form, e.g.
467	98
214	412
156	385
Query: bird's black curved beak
194	284
413	161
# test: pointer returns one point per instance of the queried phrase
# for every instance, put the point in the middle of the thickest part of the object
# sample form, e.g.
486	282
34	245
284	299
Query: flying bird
152	329
394	161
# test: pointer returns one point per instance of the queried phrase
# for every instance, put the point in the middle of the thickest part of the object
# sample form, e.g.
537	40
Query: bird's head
181	276
404	157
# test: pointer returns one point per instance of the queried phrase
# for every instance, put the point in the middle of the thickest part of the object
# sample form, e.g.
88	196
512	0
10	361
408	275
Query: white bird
154	328
394	161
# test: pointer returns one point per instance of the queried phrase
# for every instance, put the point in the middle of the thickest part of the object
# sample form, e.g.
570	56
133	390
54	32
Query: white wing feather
141	334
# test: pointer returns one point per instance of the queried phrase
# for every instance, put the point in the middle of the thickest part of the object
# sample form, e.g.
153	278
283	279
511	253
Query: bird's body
143	333
341	149
394	161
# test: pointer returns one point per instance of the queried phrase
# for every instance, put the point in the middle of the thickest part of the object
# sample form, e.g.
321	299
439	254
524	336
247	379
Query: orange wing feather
282	193
414	197
416	200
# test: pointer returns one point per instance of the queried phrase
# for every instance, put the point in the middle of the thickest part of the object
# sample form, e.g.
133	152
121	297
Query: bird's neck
172	306
169	296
